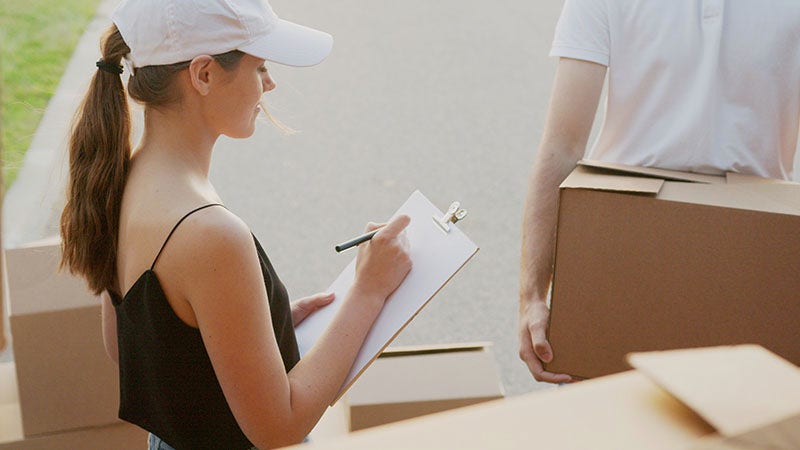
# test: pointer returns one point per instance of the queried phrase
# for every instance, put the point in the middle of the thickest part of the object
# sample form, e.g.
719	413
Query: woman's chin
242	133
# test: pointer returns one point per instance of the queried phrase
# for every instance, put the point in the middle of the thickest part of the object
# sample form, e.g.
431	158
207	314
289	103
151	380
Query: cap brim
291	44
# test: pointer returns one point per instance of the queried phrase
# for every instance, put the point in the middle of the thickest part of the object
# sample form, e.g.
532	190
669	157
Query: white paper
435	255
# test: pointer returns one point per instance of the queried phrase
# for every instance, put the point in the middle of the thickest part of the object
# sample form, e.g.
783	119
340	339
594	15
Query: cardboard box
406	382
3	314
2	282
739	397
11	435
10	423
66	380
3	341
648	259
121	436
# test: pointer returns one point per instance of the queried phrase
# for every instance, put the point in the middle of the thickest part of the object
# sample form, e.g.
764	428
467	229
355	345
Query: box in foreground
702	399
648	260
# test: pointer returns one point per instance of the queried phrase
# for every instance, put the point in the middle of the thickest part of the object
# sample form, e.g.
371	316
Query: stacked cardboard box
2	305
649	259
67	387
10	421
406	382
412	381
720	398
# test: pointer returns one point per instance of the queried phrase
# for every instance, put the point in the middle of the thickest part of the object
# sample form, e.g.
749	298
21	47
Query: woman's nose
267	83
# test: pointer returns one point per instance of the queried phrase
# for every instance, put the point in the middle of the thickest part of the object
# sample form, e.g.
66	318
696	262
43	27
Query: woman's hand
384	261
308	305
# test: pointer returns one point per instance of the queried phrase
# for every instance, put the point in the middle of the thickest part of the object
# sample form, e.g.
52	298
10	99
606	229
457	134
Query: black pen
355	241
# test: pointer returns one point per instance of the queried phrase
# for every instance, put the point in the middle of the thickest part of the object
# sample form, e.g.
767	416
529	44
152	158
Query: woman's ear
200	69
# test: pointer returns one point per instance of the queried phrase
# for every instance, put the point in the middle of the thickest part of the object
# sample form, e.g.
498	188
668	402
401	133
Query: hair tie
116	69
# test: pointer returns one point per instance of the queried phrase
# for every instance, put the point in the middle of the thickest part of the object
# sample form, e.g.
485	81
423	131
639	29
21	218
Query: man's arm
573	104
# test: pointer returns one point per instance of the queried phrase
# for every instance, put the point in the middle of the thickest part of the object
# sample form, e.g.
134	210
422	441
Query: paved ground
447	97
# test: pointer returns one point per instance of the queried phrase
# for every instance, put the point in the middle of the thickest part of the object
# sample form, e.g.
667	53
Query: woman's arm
215	265
109	326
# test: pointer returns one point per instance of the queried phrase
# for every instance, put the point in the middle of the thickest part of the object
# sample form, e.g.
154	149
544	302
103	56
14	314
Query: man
694	85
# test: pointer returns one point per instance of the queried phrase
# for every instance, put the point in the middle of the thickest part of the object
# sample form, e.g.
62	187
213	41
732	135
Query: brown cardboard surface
428	375
367	416
122	436
334	422
10	418
66	380
782	435
619	412
3	341
8	384
407	382
3	338
624	411
637	273
10	422
765	389
36	285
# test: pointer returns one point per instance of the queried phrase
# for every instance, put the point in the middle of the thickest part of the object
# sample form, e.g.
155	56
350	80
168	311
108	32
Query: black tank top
167	382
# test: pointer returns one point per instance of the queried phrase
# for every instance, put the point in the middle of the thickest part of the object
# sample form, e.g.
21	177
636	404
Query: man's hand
534	349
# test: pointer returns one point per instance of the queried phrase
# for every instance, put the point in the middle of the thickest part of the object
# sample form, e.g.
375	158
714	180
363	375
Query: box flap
772	198
653	172
44	242
430	349
736	389
587	178
426	376
785	194
783	435
740	178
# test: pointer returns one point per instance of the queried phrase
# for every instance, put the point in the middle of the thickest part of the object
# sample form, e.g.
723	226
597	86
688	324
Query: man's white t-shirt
694	85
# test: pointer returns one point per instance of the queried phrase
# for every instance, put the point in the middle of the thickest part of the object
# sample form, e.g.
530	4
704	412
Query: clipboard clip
454	214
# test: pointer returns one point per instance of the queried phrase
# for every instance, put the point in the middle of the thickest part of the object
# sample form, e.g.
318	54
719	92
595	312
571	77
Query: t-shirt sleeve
582	32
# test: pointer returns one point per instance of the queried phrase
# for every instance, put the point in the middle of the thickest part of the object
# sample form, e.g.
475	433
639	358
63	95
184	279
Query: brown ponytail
99	153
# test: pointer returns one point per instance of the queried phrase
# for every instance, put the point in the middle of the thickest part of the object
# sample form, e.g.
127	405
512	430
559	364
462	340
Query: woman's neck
179	139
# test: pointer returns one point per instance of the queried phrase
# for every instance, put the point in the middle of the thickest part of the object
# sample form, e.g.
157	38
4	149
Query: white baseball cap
170	31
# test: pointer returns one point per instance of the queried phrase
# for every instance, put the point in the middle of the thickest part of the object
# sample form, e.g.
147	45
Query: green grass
37	38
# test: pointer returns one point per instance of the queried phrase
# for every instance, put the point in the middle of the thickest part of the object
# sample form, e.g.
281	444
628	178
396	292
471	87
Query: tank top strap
152	266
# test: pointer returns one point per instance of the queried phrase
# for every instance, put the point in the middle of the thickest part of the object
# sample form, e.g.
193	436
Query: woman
195	314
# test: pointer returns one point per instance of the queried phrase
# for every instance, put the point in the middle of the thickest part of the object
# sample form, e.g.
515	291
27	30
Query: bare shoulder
213	233
210	256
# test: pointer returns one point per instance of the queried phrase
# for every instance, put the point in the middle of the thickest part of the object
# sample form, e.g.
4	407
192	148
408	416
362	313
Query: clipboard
438	250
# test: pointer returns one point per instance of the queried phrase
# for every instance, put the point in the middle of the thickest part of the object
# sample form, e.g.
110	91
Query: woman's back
168	384
157	195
